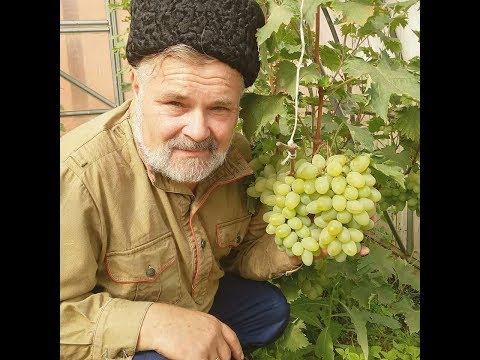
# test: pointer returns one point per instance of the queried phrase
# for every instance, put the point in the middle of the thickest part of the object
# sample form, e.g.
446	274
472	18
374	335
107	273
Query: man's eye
174	103
220	108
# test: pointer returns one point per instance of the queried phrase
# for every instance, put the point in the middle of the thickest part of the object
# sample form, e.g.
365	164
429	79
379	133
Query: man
153	200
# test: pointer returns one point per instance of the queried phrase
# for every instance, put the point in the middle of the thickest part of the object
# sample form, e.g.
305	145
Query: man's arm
257	257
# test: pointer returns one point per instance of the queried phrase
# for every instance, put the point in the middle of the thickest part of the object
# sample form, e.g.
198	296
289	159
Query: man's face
185	116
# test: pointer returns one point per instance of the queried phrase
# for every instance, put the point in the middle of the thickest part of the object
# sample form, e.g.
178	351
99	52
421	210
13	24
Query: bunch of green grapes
393	195
326	204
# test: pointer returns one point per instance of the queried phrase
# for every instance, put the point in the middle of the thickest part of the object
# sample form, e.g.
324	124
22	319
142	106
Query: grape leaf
401	20
391	156
362	292
329	57
311	75
284	128
261	354
289	289
379	259
306	309
293	337
328	124
392	44
353	11
403	306
408	122
374	25
387	321
412	319
258	110
286	76
279	14
406	274
310	9
297	355
359	319
401	5
379	100
394	172
386	295
375	123
324	345
387	79
362	136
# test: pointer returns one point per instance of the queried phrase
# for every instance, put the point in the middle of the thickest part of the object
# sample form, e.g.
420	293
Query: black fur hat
223	29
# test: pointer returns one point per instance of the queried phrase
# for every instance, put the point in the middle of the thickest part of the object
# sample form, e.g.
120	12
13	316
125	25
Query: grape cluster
393	195
326	204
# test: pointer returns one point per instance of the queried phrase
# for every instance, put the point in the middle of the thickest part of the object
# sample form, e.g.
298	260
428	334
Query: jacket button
150	271
203	243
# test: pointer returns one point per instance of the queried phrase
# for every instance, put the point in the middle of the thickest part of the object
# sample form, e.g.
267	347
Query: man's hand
296	260
179	333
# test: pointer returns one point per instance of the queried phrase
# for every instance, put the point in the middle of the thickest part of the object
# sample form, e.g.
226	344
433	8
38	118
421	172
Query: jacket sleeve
257	257
93	325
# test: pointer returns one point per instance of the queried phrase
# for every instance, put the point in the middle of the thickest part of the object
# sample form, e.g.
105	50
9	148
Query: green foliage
369	309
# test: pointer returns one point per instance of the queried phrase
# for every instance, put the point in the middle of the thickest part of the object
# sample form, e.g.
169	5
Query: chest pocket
148	272
231	233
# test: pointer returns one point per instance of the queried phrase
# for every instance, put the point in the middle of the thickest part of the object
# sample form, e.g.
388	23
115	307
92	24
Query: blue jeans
256	310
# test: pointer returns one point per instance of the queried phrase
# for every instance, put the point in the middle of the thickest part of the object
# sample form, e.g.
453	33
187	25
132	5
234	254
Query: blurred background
90	70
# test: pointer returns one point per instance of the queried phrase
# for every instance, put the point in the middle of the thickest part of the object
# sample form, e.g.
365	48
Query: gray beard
189	170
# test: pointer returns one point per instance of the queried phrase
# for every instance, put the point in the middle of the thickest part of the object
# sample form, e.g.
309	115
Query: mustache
184	143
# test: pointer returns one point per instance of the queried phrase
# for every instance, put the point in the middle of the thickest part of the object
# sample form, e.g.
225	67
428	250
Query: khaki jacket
129	237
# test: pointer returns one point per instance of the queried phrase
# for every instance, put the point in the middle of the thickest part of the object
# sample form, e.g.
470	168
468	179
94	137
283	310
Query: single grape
350	248
310	244
307	257
334	248
283	230
297	249
276	219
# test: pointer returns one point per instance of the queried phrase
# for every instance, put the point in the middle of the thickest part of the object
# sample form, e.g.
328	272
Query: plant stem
394	232
332	89
413	161
334	140
330	24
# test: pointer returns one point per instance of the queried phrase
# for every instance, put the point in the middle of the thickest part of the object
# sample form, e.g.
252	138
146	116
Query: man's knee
278	315
281	306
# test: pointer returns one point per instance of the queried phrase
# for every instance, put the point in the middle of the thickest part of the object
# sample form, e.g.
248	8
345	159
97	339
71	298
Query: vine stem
394	232
413	161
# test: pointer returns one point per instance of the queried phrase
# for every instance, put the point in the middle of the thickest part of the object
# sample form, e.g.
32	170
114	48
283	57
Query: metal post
115	56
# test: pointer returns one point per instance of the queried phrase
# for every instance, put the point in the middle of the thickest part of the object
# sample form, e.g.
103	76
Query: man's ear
134	81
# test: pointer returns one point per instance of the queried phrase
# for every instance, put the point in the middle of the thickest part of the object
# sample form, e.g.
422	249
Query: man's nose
197	127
